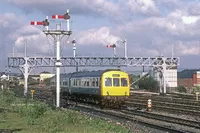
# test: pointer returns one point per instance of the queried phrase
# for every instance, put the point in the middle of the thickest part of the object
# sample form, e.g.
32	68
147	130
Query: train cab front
115	86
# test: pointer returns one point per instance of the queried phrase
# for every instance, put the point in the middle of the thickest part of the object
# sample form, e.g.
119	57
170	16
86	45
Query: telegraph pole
57	35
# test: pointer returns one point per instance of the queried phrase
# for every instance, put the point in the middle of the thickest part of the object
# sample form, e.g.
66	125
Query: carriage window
87	82
108	81
115	81
79	82
124	82
82	82
97	82
90	81
64	82
93	82
73	82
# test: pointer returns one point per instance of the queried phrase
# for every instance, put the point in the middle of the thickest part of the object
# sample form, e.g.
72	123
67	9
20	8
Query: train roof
62	76
91	73
84	74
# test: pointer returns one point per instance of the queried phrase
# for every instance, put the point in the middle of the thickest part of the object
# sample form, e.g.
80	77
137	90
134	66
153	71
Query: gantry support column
25	69
164	68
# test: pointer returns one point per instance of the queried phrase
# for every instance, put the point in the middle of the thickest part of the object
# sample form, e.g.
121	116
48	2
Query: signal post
114	49
57	35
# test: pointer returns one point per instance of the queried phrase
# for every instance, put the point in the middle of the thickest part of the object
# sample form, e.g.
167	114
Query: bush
55	121
195	89
6	98
149	84
182	89
31	111
18	91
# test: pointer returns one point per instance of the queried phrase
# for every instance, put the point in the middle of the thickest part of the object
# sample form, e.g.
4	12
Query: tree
149	84
182	89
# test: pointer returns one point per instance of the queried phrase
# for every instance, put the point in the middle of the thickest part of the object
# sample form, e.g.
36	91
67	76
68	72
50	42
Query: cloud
151	29
36	43
8	24
10	21
14	31
24	31
101	36
190	19
193	8
188	47
155	35
119	11
143	7
100	7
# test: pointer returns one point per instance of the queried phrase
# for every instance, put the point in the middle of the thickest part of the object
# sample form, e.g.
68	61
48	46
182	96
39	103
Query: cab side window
108	81
124	82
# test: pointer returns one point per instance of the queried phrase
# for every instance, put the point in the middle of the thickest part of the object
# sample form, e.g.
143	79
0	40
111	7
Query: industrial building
171	79
189	78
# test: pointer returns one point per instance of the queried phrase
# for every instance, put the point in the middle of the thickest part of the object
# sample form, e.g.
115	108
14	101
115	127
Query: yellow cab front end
115	83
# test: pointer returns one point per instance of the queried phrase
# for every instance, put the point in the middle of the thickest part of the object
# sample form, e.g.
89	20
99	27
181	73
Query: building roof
4	76
45	72
187	73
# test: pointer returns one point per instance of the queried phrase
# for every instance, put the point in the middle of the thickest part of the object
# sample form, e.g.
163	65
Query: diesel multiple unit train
105	87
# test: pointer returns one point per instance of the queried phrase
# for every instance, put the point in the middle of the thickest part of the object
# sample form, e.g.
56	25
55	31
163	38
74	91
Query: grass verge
27	116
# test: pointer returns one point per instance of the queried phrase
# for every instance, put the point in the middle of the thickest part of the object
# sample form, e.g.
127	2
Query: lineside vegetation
28	116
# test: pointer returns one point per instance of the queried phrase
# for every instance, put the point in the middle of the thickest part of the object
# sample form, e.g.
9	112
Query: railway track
155	121
175	110
167	104
152	120
171	119
45	96
183	95
167	99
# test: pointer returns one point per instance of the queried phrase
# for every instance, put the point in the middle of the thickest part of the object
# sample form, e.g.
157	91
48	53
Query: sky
151	27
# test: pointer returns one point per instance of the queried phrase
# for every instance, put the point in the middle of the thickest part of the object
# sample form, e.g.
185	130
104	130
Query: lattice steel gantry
162	63
15	62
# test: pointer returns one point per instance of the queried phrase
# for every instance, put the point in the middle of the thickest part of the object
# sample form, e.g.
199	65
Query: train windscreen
124	82
116	82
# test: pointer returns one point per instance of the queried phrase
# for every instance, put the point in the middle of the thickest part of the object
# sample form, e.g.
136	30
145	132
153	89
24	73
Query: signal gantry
27	63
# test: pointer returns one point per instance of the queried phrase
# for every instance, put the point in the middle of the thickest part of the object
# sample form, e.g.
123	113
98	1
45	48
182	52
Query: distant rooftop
187	73
44	72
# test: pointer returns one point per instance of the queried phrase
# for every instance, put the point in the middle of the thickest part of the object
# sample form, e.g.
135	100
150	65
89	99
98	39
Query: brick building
189	78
